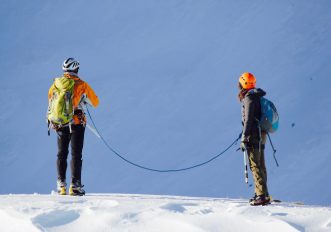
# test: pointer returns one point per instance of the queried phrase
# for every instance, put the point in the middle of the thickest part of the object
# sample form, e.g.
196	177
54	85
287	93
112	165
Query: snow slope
112	212
166	73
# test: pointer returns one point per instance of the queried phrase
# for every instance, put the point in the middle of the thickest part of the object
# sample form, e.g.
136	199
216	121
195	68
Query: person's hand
240	135
84	99
243	146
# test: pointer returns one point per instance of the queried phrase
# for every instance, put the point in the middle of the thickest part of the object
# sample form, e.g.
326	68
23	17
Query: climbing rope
154	169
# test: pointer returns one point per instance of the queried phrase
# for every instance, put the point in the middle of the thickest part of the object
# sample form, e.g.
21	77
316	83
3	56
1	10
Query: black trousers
76	140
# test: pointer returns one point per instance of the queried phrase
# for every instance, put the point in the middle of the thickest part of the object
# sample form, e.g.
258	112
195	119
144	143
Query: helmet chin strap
71	73
76	70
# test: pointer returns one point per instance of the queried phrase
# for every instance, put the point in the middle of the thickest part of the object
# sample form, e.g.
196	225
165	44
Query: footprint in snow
177	208
181	208
55	218
279	214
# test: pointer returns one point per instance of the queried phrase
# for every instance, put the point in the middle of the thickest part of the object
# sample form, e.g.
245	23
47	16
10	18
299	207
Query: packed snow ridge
118	212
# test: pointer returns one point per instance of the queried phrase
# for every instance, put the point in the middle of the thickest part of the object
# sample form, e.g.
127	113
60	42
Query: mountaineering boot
260	200
253	198
76	189
268	197
61	187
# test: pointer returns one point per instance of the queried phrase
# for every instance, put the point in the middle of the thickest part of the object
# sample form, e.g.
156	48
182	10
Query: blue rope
153	169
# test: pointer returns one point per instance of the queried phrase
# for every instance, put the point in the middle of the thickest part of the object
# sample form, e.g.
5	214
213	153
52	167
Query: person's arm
249	118
90	96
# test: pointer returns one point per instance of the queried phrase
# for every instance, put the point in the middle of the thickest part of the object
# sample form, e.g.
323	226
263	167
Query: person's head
247	81
70	65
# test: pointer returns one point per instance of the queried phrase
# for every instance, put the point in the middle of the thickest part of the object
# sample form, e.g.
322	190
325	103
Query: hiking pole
274	154
246	171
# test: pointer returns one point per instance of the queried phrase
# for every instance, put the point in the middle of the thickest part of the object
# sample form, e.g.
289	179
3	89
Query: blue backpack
269	116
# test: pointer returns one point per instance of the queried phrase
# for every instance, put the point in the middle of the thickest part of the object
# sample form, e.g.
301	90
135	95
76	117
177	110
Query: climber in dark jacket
253	139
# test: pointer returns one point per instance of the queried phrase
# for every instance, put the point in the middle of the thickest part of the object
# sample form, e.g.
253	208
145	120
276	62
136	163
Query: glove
243	146
240	135
83	100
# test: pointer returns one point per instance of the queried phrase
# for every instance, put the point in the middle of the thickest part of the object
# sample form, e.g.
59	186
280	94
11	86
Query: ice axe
245	164
246	170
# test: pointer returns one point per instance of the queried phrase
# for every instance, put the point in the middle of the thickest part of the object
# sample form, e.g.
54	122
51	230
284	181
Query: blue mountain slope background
166	74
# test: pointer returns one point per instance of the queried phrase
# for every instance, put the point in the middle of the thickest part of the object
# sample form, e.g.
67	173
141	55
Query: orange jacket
82	92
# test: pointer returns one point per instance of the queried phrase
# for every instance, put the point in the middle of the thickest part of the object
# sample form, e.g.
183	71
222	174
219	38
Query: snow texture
141	213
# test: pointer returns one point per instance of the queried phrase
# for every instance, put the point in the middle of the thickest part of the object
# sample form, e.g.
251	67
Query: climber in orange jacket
72	132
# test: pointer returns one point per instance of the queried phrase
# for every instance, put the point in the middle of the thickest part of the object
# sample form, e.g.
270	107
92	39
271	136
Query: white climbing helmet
70	65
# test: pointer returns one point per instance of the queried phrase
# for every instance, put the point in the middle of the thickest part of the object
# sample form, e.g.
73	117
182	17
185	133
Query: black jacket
251	114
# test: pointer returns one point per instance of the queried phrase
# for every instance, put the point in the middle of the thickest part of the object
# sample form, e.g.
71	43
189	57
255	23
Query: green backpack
60	107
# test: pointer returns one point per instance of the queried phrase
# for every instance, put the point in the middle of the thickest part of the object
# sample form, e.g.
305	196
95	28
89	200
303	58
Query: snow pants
258	168
76	140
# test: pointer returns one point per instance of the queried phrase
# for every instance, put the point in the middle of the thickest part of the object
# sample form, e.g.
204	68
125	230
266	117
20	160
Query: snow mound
117	212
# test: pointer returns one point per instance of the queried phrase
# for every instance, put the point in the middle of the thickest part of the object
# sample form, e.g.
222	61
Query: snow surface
144	213
166	74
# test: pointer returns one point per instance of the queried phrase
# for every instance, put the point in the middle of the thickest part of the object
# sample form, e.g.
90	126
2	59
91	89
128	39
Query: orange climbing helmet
247	80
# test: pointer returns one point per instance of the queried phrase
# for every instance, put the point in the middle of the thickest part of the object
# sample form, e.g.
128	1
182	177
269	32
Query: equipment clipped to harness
70	129
48	128
80	116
